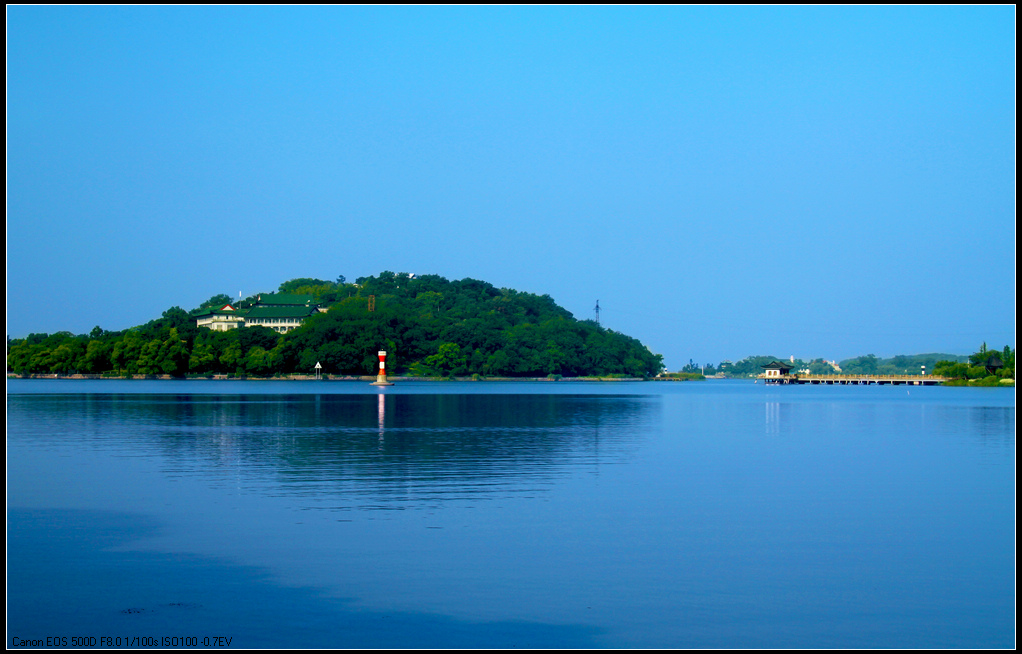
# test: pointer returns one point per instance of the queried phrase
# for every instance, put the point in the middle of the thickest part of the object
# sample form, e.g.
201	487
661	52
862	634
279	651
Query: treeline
983	367
428	325
972	367
912	364
753	365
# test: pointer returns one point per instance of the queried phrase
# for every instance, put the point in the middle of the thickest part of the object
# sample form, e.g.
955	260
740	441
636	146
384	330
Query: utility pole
597	313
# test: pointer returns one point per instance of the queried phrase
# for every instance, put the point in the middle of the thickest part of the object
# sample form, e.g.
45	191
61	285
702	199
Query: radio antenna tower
597	309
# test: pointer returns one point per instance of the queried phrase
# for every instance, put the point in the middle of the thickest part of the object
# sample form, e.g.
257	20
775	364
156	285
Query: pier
880	380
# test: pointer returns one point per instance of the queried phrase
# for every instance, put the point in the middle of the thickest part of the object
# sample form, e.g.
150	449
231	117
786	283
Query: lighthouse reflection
381	413
384	448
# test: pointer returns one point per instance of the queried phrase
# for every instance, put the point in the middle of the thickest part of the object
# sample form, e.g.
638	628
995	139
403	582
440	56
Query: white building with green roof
220	319
279	312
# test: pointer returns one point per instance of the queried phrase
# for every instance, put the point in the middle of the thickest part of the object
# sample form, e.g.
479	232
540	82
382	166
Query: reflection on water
773	418
381	449
696	516
195	596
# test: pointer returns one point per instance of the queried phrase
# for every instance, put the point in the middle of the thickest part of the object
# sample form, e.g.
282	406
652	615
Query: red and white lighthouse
381	378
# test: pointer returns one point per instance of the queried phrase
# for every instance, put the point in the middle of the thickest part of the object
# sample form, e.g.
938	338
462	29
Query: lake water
337	514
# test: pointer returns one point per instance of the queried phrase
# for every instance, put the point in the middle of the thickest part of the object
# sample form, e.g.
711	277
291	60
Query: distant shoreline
332	378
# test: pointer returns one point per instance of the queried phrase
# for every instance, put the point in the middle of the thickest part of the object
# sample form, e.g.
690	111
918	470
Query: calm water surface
315	514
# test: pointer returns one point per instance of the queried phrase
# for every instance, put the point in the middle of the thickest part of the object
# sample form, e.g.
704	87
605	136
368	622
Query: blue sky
726	181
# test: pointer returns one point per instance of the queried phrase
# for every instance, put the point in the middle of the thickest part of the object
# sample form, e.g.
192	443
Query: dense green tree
427	322
951	369
148	362
981	355
217	301
1008	358
292	285
126	352
430	301
310	286
498	364
173	355
63	358
747	367
864	365
97	357
202	359
231	359
257	362
821	367
257	336
448	360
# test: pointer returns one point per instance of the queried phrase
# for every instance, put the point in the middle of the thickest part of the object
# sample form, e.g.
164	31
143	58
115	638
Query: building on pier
776	371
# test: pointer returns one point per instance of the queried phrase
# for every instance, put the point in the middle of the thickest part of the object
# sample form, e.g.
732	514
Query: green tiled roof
273	306
259	312
215	311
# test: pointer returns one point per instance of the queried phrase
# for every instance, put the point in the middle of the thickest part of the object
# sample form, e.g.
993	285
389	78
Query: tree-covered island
429	326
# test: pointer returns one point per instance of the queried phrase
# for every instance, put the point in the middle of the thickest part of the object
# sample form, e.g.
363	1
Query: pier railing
917	380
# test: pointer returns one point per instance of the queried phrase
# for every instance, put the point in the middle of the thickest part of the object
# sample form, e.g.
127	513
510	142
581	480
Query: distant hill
898	365
427	324
436	326
864	365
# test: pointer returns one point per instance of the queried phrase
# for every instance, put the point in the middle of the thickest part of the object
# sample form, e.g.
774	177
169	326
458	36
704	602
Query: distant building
992	364
277	311
776	370
219	320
